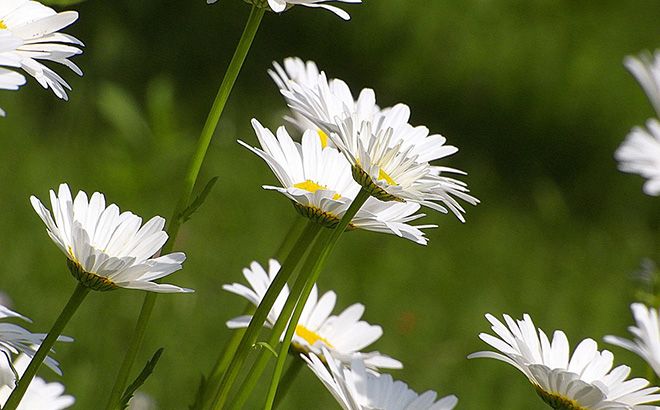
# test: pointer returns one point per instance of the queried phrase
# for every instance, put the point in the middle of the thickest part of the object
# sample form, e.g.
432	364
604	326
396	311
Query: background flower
647	336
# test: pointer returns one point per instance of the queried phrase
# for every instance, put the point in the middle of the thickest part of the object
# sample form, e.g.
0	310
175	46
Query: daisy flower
389	157
345	335
37	27
356	388
640	154
318	182
107	249
646	69
40	395
647	336
15	340
582	381
296	75
279	6
9	80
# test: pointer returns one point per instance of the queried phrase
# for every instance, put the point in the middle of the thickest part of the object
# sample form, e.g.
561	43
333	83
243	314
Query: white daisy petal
647	336
640	154
39	394
356	388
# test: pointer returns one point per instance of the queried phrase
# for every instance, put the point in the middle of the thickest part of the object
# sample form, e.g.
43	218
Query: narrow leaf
139	381
188	212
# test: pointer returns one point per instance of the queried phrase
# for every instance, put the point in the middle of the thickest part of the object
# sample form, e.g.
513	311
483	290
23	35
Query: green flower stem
223	361
307	237
72	305
256	14
287	380
278	328
290	239
309	276
213	382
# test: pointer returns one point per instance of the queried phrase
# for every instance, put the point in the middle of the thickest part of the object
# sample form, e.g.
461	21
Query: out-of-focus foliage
532	92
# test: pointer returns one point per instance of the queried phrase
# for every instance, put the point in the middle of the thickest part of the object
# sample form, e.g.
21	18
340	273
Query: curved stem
251	27
72	305
309	277
249	338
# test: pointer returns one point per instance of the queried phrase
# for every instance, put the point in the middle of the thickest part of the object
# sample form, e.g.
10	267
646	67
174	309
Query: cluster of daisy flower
342	146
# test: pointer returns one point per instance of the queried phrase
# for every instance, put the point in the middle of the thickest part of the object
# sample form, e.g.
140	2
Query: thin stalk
290	239
278	329
221	365
309	277
287	380
249	338
251	27
72	305
223	361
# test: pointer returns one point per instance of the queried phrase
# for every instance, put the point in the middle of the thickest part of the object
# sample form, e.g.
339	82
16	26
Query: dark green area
532	92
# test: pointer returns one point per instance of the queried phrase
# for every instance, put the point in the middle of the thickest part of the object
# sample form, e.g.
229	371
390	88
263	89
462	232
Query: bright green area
532	92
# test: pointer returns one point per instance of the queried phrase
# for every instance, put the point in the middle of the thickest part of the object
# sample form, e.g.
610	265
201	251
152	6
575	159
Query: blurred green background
532	92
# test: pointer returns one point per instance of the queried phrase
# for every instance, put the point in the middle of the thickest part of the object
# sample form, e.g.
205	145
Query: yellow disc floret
311	186
324	138
383	176
310	336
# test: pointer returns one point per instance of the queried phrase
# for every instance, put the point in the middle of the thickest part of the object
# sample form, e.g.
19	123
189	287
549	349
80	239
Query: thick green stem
288	379
256	14
213	382
309	276
72	305
249	338
221	365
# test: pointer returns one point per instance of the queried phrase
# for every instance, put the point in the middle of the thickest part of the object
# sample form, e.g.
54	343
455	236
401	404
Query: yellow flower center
3	26
312	187
383	176
311	337
322	135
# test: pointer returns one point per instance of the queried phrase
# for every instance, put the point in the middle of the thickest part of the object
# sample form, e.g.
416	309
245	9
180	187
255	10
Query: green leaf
139	381
199	396
267	347
188	212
